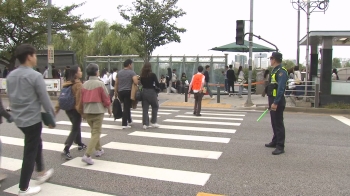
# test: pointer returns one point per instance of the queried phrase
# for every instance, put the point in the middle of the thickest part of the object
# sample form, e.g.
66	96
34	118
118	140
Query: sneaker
87	160
155	125
130	123
213	97
48	174
144	127
126	127
99	153
82	147
67	155
30	191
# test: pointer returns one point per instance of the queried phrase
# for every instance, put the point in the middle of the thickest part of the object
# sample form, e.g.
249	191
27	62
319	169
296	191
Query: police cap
276	55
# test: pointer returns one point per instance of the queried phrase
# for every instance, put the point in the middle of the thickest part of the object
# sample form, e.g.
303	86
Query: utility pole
298	36
249	102
49	39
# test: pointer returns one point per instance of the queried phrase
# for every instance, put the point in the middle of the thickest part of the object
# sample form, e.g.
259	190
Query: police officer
277	102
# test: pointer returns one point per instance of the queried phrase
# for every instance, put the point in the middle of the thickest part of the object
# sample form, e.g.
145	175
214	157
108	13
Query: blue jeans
226	85
240	90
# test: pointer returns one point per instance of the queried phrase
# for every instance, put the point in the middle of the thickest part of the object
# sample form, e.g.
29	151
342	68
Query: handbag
138	96
117	109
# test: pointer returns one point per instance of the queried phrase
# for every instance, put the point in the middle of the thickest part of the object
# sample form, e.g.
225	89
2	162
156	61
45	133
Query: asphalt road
233	160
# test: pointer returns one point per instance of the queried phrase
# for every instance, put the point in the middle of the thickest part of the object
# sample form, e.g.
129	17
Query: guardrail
308	91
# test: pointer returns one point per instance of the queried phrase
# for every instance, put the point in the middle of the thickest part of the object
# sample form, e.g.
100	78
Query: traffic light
240	32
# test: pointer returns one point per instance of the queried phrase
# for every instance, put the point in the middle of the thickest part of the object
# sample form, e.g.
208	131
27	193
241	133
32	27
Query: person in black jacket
231	78
5	114
206	74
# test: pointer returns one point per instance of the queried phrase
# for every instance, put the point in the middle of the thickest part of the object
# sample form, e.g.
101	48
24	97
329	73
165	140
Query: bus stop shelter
330	91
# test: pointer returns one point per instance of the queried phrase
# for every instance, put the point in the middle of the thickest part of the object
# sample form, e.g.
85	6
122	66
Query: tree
152	23
347	64
336	63
26	22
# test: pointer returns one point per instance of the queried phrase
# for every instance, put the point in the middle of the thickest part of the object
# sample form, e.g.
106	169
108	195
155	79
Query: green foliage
347	64
336	63
26	22
152	24
339	105
100	41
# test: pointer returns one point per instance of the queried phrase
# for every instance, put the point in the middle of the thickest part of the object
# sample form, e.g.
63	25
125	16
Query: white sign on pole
50	54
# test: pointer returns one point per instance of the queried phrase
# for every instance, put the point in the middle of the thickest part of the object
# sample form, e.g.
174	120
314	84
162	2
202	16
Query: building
261	61
242	60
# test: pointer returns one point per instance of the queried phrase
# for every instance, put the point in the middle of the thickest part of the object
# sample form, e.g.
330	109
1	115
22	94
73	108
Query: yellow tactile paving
205	104
207	194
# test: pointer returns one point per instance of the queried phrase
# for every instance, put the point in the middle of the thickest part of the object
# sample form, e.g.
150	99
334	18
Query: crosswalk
178	130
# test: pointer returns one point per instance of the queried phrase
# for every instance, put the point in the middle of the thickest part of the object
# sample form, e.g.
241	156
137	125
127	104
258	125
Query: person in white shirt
46	73
112	78
240	81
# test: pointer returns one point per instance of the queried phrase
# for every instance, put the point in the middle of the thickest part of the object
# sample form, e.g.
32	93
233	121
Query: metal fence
183	64
306	92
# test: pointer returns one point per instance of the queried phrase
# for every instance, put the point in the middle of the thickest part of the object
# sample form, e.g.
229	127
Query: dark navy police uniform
275	92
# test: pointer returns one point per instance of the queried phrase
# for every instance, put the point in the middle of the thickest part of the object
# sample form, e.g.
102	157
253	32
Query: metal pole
260	61
49	35
249	97
218	93
307	45
298	36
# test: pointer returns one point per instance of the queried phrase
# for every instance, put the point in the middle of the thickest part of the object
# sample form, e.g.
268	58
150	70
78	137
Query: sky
212	23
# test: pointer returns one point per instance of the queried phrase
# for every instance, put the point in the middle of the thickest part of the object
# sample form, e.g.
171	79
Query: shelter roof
340	38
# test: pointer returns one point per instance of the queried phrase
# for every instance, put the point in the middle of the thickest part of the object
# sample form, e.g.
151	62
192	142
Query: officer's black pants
277	123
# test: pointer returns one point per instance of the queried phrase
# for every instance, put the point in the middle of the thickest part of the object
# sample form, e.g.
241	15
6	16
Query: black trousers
124	97
197	103
231	83
279	132
32	153
75	133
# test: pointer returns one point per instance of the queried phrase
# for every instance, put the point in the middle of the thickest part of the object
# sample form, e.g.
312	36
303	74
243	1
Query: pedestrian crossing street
175	125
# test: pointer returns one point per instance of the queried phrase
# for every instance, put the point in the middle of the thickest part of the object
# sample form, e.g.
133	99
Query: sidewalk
227	102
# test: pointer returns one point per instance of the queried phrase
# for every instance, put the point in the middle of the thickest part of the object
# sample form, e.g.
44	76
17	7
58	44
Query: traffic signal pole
249	102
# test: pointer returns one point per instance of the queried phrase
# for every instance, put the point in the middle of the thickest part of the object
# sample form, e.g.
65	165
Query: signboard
50	54
52	85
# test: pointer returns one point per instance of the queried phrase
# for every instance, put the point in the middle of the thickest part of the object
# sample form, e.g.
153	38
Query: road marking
159	110
55	190
342	119
133	115
46	145
66	133
11	164
217	114
181	137
86	125
207	194
120	120
207	117
200	129
140	112
164	150
170	175
202	122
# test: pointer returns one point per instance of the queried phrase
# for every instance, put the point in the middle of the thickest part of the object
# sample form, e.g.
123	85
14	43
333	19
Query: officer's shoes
278	151
270	145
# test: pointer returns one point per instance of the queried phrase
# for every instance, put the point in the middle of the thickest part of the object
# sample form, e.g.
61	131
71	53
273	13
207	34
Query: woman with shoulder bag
149	83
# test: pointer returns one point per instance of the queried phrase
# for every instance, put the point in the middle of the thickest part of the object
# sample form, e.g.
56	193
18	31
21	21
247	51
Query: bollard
218	93
317	96
186	93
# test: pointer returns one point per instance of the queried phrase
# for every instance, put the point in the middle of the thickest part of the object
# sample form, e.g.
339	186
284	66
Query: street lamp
308	6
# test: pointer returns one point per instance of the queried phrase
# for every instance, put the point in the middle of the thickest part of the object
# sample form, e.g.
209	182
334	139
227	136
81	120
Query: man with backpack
112	78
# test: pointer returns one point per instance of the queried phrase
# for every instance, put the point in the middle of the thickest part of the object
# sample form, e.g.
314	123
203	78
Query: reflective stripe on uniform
273	81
